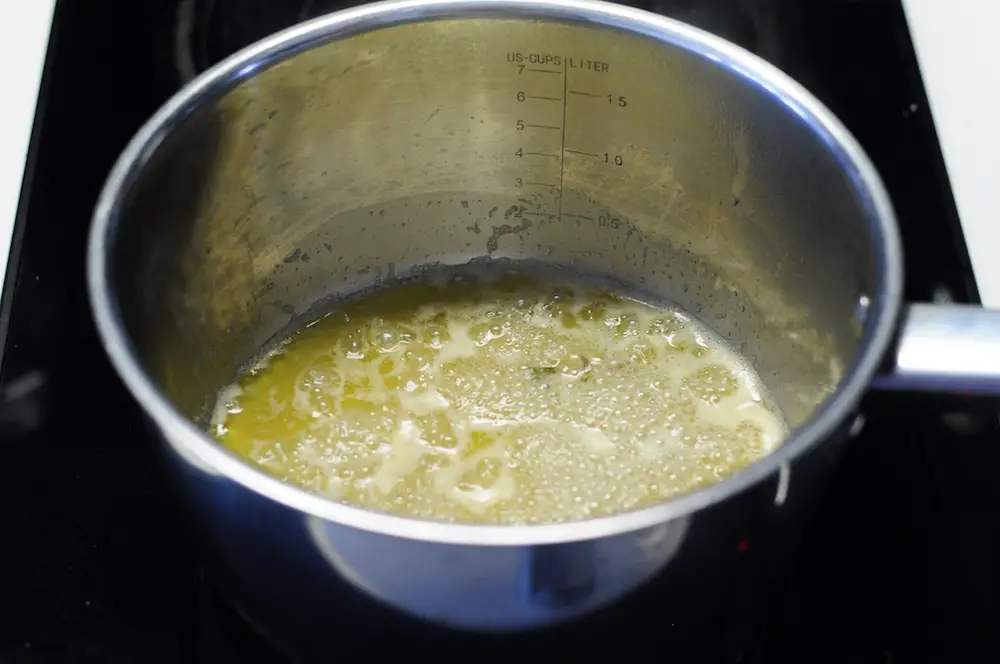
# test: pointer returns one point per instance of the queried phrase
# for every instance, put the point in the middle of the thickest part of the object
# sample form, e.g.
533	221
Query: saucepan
361	146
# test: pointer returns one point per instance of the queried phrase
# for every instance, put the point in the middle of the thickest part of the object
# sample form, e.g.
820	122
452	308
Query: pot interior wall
362	159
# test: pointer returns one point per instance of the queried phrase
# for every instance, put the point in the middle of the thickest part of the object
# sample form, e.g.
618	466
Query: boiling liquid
510	400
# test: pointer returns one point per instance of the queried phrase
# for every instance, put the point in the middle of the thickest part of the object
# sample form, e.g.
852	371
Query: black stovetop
902	563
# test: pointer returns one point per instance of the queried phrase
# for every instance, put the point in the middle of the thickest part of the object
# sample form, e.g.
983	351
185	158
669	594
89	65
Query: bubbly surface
506	400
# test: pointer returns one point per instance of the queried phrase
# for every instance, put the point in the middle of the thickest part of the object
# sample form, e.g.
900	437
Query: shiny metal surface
365	145
946	348
500	587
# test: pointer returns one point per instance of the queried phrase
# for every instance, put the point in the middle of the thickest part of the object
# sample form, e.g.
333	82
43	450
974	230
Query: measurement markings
539	214
544	154
545	71
543	127
585	154
542	98
584	94
562	140
577	216
540	184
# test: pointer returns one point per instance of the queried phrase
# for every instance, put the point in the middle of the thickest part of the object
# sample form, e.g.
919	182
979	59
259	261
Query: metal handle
952	348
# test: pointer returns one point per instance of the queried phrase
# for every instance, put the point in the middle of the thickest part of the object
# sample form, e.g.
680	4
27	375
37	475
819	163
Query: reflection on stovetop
900	564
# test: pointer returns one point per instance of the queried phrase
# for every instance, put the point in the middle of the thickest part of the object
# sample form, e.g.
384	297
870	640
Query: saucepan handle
952	348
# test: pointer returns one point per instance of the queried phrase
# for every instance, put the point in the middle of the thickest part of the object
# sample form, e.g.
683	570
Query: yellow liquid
508	400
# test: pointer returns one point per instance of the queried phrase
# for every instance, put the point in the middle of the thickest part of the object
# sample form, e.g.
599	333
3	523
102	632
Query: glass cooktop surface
900	564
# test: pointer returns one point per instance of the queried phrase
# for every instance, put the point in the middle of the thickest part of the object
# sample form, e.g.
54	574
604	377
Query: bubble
355	348
628	325
712	382
574	366
434	335
386	341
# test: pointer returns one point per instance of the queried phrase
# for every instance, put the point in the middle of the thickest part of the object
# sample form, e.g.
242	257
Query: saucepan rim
193	443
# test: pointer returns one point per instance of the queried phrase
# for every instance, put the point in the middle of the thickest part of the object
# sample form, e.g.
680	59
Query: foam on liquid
511	400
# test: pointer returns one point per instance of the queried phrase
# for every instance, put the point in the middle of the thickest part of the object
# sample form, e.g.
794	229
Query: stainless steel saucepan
360	146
